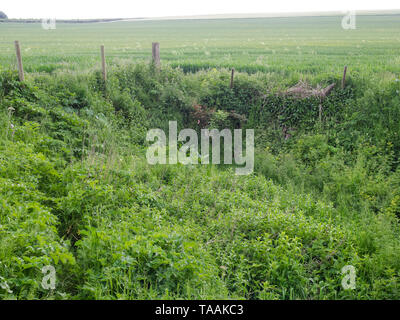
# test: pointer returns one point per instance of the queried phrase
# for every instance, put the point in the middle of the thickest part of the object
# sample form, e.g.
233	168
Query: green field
77	193
283	45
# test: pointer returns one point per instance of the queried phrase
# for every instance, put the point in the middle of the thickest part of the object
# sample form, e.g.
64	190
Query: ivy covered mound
76	191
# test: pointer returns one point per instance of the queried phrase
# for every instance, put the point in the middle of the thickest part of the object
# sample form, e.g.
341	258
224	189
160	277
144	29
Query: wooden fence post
156	53
232	75
344	77
103	62
19	62
320	111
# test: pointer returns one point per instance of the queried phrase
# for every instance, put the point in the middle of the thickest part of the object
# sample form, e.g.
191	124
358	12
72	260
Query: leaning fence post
232	76
344	77
103	62
19	62
156	53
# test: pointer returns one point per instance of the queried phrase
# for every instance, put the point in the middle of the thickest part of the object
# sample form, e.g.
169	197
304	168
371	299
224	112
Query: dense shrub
77	193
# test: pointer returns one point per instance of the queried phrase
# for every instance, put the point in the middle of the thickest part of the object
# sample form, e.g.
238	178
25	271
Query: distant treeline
63	21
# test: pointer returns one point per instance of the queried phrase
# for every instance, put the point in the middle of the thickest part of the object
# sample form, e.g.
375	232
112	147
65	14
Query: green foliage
219	120
77	193
28	229
139	260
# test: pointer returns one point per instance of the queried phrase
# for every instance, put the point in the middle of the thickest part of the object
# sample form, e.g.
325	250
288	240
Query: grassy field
284	45
77	193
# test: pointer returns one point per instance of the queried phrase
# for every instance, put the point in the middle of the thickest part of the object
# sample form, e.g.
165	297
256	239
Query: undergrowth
77	193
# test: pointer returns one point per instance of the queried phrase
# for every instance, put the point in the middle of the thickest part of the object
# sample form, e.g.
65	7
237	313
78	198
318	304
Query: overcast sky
81	9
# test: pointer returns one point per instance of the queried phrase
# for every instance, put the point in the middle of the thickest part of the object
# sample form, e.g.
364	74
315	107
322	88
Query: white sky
81	9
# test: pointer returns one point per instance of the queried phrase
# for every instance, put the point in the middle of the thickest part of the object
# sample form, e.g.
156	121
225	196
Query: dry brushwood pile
303	90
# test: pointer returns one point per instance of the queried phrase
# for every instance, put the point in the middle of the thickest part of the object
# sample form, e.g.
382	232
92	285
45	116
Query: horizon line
227	15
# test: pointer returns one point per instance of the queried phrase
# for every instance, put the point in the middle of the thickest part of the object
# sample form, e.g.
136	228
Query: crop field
311	45
84	214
